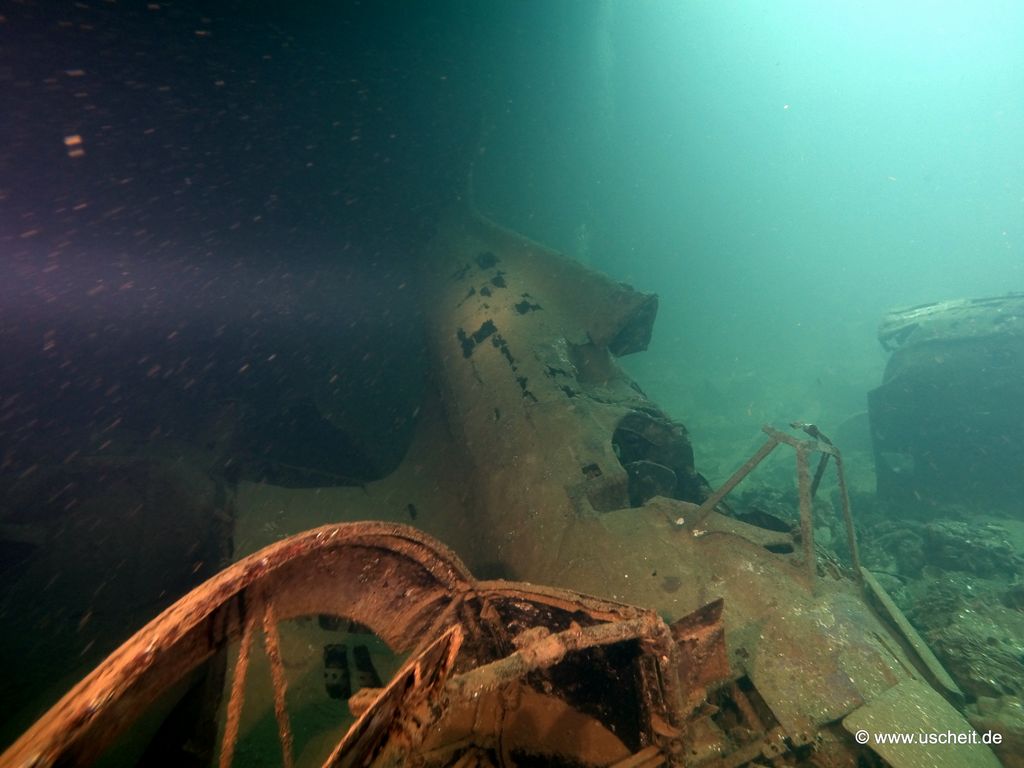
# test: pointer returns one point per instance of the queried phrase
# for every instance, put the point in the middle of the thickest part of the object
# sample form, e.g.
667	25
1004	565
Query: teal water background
781	173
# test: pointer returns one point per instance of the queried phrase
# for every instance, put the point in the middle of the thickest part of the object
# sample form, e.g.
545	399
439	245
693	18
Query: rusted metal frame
712	501
665	651
811	445
664	702
803	481
806	486
851	534
547	652
813	431
189	622
237	700
824	446
273	648
819	473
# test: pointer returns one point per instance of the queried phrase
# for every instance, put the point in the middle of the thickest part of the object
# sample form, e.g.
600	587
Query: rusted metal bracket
806	485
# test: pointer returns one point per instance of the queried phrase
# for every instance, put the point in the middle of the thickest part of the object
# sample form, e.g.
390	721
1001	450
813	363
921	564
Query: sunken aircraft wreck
666	632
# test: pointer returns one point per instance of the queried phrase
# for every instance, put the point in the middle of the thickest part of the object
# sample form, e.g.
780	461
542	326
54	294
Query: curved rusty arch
391	578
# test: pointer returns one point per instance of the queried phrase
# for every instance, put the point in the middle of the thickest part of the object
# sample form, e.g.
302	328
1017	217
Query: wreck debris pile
492	661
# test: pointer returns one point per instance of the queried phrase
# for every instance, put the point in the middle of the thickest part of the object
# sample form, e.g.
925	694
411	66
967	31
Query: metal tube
737	477
803	474
818	474
273	648
237	700
851	534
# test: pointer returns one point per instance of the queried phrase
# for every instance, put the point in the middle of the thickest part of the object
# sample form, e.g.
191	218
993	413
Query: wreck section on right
947	423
